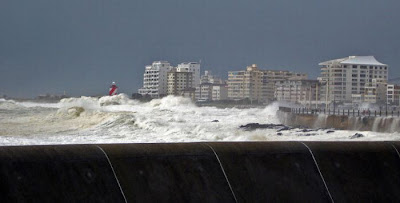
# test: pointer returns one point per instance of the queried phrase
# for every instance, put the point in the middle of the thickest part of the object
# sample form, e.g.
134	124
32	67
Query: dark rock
330	131
357	135
284	129
253	126
279	134
307	130
308	134
215	121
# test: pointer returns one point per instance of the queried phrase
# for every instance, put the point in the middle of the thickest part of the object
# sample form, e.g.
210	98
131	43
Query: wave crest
94	103
9	104
172	102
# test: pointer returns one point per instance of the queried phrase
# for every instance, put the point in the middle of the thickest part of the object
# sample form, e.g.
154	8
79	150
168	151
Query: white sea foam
8	104
118	119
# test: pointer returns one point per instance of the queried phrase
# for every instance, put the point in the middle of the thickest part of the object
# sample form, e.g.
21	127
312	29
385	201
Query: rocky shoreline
303	131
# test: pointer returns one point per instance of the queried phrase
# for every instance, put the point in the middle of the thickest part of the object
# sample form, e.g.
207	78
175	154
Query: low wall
202	172
365	123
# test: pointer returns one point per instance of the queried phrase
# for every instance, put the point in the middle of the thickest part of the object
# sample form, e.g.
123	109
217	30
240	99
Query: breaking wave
8	104
118	119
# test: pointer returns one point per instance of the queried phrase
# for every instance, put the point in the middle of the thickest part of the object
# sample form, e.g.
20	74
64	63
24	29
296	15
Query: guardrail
347	112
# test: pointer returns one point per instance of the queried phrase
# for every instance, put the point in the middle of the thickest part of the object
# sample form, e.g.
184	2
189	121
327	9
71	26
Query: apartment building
393	94
193	67
189	93
209	78
305	92
345	79
246	84
219	92
256	84
203	92
179	80
211	88
375	92
211	92
155	79
271	77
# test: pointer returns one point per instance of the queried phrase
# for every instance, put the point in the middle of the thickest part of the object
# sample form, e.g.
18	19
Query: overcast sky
81	46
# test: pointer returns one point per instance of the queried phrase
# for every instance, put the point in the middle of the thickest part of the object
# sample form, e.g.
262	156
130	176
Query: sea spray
321	121
118	119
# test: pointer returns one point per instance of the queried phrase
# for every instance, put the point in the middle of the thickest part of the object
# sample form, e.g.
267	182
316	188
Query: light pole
316	95
334	104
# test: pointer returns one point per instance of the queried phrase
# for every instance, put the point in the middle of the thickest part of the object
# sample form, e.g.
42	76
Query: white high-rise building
346	79
209	78
193	67
155	79
219	92
211	92
211	88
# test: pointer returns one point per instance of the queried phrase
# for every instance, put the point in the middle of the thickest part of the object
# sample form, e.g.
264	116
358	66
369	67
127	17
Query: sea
119	119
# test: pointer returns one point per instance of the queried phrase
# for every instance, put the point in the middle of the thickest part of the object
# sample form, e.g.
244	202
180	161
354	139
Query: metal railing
347	112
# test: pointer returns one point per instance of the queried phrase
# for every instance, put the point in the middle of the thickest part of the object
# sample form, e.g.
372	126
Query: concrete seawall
365	123
203	172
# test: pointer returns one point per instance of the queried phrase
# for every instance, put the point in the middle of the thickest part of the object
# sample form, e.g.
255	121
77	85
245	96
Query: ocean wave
118	119
9	104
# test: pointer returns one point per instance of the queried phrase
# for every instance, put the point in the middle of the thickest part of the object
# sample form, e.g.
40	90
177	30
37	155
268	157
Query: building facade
193	67
245	84
155	79
393	94
209	78
219	92
375	92
256	84
272	77
178	81
345	80
305	92
211	92
211	88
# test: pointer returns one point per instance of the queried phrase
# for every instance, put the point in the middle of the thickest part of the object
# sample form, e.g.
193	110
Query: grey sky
81	46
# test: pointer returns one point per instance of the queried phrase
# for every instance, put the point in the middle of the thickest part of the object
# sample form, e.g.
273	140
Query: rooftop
359	60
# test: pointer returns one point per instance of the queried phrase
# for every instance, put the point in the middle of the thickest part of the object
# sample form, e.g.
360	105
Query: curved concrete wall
203	172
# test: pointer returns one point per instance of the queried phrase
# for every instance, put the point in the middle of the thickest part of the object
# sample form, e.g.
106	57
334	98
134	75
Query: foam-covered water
118	119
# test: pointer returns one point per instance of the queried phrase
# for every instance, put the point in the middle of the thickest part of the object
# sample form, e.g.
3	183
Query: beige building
257	85
178	82
189	92
375	92
272	77
393	94
193	67
305	92
245	84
